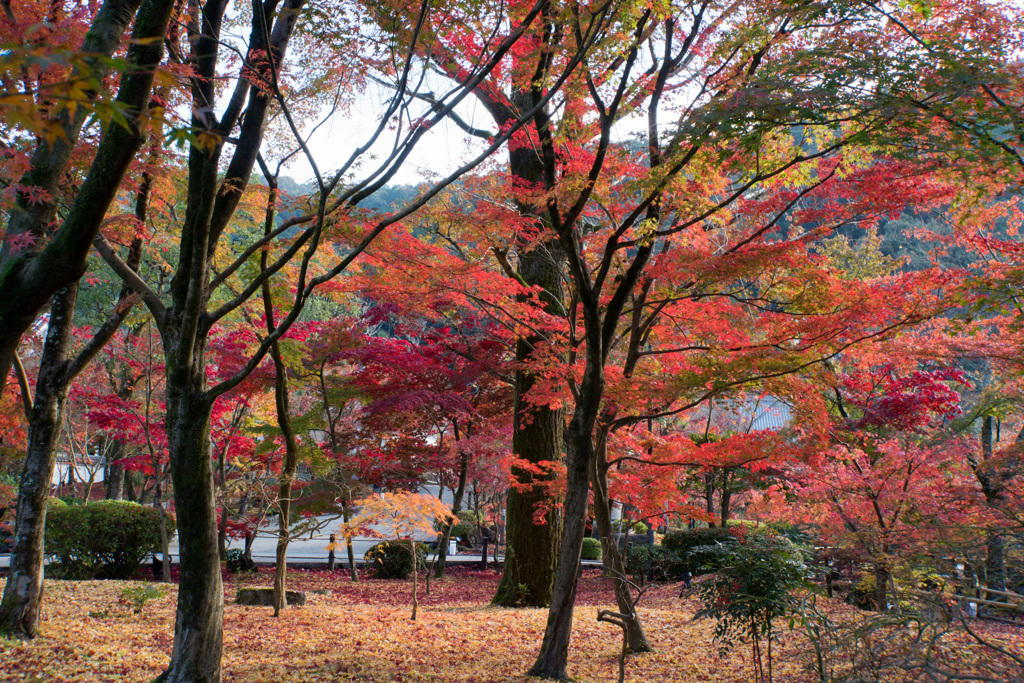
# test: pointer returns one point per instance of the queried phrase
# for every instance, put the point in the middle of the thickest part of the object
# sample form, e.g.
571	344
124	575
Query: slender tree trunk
415	575
165	543
23	594
579	461
346	515
291	459
460	491
709	496
222	531
222	487
995	544
633	631
554	652
284	422
726	498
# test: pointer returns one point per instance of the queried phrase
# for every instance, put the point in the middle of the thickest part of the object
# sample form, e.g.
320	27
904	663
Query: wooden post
330	555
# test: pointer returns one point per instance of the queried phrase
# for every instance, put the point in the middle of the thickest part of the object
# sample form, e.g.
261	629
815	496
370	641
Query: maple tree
398	517
438	405
43	253
633	288
210	279
763	158
533	261
731	169
887	478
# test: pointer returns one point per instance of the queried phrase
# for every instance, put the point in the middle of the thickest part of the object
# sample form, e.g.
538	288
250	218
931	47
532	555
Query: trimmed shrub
635	529
591	549
683	558
107	539
469	522
392	559
649	563
236	561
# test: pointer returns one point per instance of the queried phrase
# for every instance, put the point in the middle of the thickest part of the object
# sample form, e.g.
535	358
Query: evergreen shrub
107	539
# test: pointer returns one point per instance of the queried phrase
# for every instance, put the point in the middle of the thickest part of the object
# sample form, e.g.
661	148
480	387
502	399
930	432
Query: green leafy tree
752	590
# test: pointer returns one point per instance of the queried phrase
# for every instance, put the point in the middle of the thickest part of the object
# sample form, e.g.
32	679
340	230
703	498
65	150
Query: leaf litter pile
122	631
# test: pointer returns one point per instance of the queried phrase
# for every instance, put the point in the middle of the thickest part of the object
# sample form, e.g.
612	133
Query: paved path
301	550
304	550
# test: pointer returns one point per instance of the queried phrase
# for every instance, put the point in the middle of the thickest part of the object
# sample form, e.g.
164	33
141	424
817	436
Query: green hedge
650	563
107	539
683	558
591	549
392	559
469	522
635	529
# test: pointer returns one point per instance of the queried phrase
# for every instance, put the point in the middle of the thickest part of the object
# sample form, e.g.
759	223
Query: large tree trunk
198	628
23	594
531	548
635	638
882	585
726	498
114	474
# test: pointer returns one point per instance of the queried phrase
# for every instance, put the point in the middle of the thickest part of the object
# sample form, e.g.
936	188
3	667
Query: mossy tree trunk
531	547
23	594
198	627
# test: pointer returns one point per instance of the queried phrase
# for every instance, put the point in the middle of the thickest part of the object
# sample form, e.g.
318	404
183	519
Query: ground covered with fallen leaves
97	631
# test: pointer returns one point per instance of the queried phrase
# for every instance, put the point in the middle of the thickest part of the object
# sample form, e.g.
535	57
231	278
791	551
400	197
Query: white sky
439	152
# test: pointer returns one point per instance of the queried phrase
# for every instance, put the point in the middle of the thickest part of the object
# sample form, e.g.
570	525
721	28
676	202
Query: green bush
636	529
137	596
680	546
107	539
591	549
235	561
753	588
392	559
650	563
800	534
469	522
